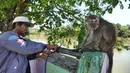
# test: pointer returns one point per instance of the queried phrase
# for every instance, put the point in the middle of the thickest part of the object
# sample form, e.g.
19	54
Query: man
14	50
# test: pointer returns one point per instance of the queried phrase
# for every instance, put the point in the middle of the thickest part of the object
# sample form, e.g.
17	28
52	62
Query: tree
123	37
52	14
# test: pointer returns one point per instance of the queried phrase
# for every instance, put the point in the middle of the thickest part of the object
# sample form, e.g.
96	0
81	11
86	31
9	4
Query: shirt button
15	67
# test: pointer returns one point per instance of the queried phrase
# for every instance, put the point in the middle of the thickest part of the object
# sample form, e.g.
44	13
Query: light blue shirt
14	52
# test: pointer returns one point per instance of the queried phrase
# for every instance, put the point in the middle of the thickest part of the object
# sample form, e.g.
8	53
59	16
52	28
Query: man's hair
18	23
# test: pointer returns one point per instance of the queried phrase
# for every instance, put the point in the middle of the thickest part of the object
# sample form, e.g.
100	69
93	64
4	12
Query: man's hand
49	51
52	48
43	54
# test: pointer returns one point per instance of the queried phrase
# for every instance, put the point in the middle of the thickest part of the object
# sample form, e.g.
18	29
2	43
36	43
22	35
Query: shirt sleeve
14	43
32	56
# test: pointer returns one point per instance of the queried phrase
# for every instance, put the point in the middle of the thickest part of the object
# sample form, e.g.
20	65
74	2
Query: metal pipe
68	51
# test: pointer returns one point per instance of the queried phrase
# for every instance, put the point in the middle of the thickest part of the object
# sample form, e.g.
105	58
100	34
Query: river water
121	62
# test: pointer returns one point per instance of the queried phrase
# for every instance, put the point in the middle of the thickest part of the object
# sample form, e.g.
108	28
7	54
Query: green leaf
81	34
110	10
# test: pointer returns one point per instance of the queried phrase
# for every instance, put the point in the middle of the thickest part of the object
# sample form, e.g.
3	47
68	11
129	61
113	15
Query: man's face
23	29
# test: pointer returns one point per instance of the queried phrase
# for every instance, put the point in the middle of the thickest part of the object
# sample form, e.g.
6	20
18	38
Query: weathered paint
51	68
38	66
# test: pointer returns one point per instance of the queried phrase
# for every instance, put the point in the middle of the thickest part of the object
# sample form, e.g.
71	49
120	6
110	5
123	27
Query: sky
118	15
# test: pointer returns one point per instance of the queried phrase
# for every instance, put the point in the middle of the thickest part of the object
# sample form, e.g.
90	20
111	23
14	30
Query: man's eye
25	25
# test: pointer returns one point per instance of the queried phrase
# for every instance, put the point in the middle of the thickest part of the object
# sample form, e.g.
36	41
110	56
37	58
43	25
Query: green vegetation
52	15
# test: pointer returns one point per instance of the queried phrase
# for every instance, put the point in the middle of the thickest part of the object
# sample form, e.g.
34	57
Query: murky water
121	61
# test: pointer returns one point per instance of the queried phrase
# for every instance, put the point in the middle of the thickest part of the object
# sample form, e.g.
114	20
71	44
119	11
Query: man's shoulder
6	34
9	35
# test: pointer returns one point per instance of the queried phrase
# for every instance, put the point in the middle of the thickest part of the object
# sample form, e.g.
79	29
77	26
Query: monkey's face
93	22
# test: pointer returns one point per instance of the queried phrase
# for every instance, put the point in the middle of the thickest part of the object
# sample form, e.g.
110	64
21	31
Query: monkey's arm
81	45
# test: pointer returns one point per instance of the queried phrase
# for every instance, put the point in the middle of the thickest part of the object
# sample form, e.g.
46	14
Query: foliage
63	36
53	14
7	8
123	37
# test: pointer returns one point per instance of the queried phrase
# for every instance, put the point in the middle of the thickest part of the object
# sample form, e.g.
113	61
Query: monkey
101	36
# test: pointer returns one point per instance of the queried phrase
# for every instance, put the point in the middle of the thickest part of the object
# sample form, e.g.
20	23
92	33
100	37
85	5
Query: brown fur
101	38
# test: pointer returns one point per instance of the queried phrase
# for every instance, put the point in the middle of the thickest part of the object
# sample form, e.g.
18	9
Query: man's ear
16	24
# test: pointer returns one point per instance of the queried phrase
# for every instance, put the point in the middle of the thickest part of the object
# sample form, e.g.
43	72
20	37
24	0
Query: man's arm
19	45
